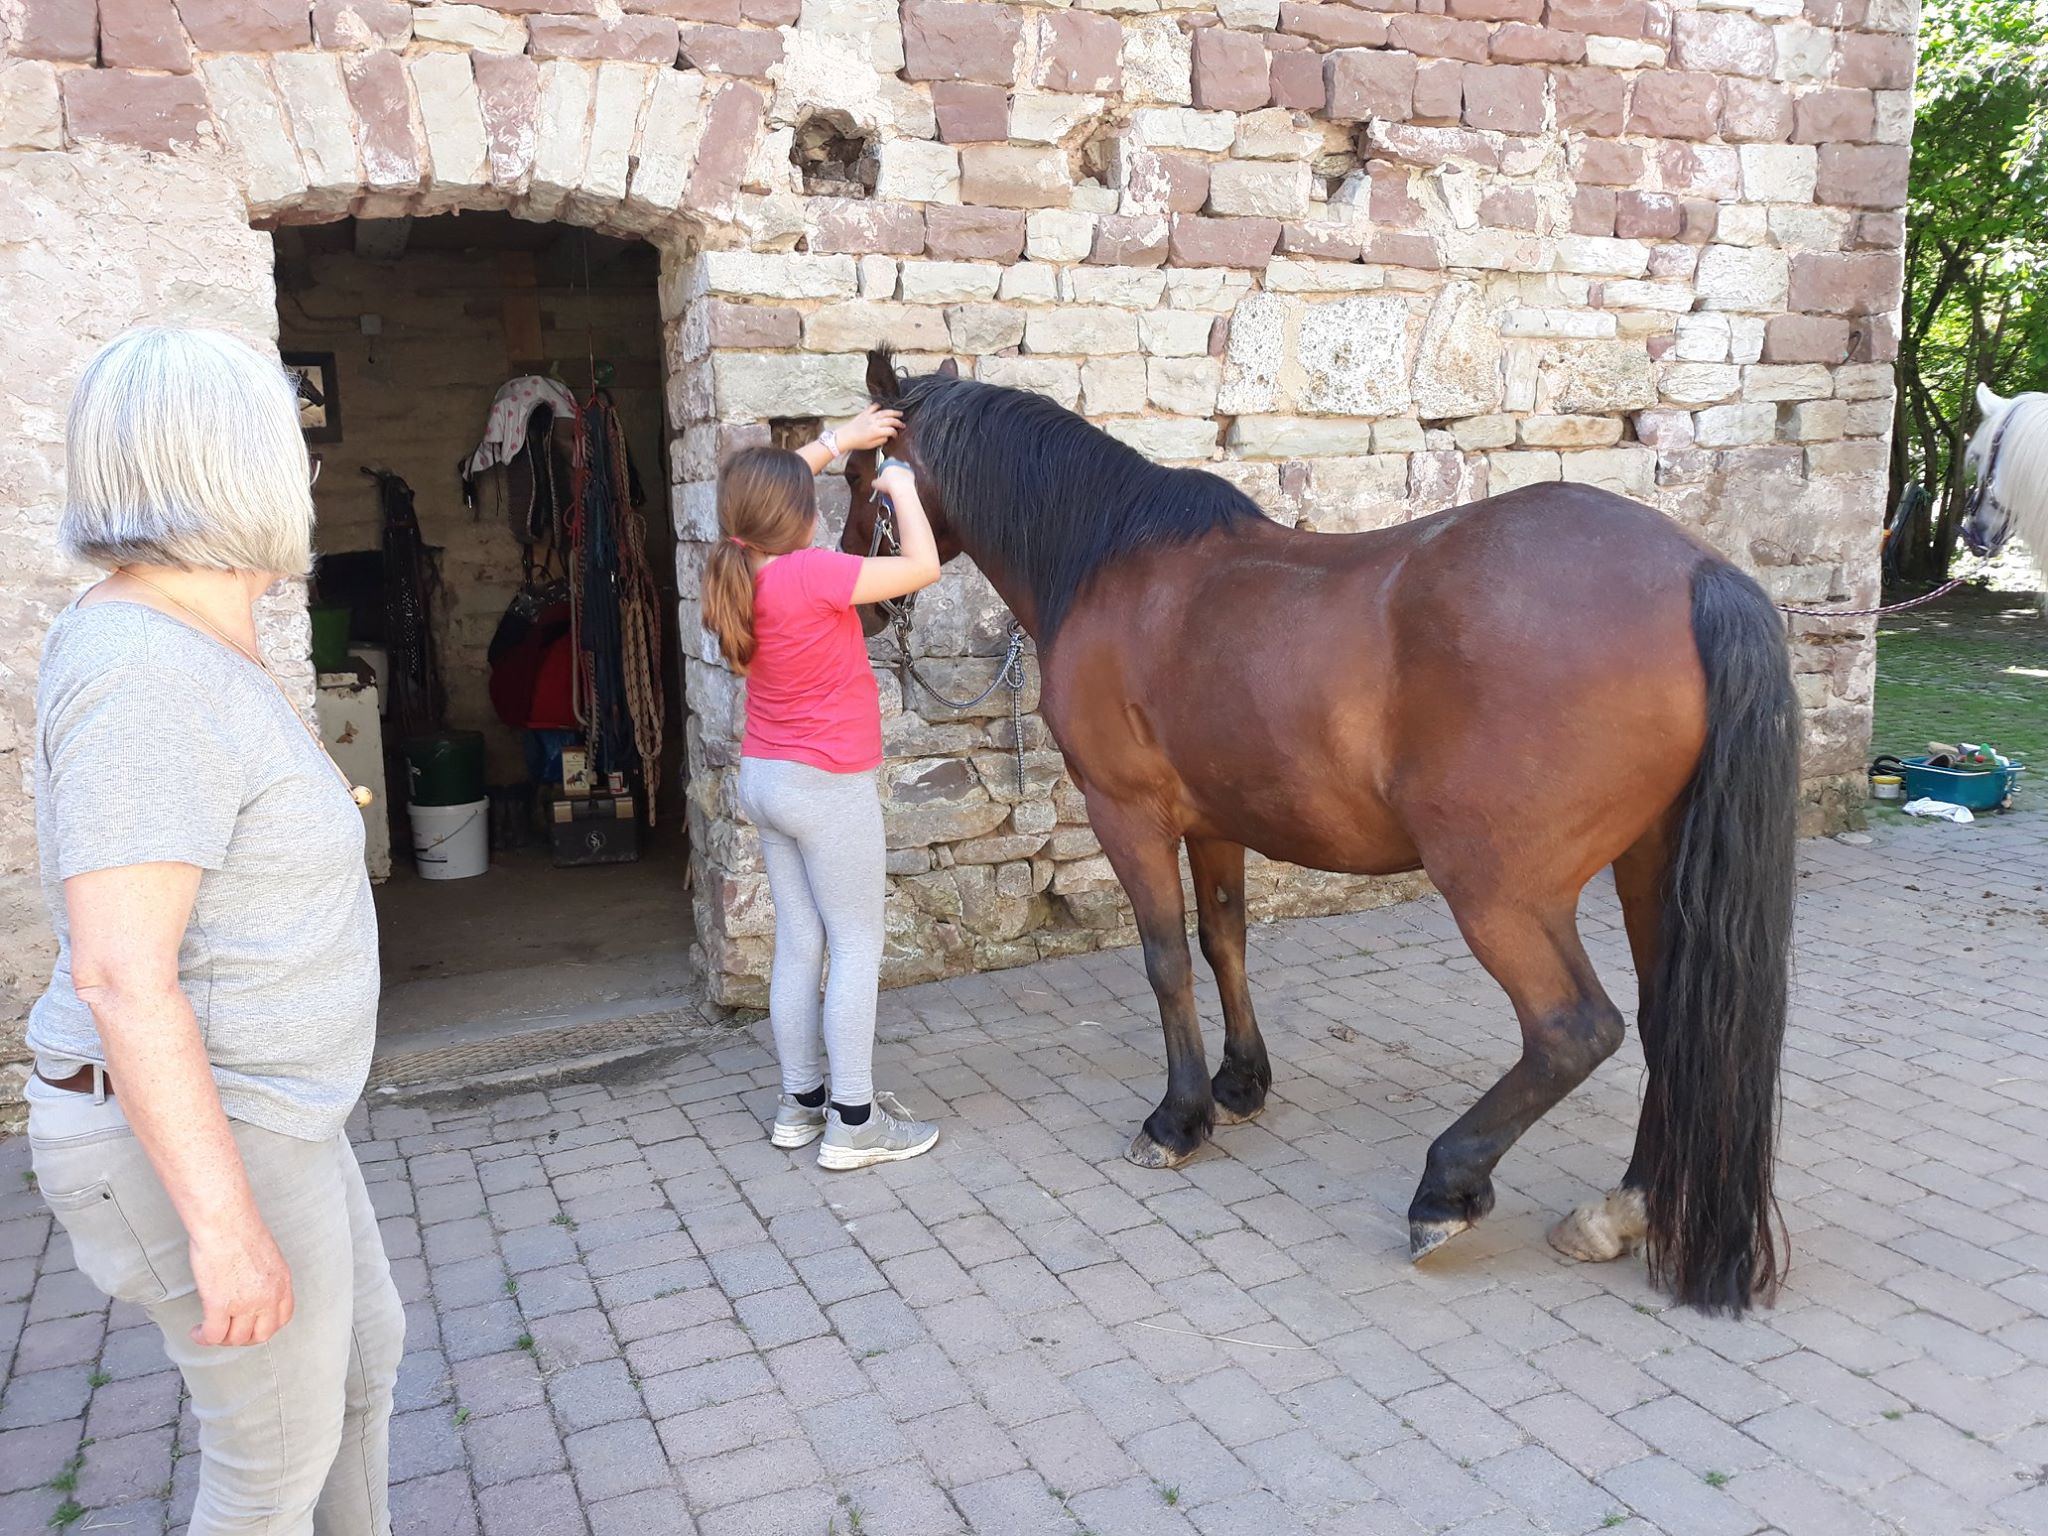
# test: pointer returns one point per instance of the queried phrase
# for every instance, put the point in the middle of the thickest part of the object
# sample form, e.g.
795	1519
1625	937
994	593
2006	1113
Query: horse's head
1989	522
885	387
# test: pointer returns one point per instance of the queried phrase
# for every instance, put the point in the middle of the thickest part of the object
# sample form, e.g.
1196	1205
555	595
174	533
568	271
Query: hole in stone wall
792	432
834	157
1095	160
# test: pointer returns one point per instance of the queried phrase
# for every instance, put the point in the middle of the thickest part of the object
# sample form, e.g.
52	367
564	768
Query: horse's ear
948	369
1988	400
882	381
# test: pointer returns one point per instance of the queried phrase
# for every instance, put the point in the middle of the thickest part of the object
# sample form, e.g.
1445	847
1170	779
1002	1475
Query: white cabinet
346	708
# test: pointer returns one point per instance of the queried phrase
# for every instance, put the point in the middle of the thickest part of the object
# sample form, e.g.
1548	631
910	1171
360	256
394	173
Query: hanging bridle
883	541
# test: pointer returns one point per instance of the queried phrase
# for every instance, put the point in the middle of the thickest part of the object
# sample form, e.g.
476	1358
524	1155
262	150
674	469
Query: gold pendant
362	794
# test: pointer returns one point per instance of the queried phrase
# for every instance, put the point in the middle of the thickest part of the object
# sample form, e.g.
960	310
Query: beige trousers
293	1433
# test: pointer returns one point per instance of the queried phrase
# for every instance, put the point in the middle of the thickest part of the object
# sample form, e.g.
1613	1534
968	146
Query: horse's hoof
1225	1115
1147	1153
1425	1237
1602	1230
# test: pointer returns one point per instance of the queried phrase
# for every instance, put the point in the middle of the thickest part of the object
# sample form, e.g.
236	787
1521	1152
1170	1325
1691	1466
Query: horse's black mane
1047	497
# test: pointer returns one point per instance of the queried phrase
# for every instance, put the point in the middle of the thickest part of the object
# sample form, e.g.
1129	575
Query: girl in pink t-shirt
784	616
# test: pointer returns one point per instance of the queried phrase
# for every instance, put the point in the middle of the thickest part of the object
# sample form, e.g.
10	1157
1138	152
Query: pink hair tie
736	539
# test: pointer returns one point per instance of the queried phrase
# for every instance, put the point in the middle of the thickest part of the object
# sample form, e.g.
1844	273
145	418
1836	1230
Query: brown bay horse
1510	696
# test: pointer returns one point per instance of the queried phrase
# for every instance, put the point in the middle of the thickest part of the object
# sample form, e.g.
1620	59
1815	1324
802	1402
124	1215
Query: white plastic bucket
451	842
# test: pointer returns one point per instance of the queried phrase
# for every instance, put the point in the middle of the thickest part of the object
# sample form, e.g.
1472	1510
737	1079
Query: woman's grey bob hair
184	450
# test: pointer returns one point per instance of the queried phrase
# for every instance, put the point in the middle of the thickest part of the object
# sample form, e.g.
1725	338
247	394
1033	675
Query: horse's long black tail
1723	965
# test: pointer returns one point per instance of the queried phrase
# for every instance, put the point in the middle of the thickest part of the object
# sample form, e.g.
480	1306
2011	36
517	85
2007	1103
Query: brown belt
79	1081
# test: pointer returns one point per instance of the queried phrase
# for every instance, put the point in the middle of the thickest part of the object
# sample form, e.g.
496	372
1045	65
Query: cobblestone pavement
628	1313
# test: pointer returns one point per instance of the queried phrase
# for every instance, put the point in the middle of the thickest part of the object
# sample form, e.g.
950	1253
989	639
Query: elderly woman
209	1021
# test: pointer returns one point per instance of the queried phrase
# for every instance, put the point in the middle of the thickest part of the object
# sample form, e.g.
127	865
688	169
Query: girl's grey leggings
821	838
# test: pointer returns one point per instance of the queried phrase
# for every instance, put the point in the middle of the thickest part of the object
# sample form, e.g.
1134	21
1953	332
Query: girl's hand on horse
870	429
897	483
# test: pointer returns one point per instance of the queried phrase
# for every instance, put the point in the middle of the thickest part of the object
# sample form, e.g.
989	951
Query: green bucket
446	768
330	637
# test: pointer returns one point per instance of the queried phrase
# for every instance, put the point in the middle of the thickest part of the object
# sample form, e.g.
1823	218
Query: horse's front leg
1240	1084
1147	861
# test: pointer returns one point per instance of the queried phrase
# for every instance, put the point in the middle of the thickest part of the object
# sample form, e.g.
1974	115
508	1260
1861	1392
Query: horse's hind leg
1568	1028
1148	864
1615	1224
1240	1084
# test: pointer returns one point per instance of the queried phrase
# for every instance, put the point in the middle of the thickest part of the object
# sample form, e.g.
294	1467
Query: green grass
1973	667
525	1342
66	1481
98	1379
1170	1495
67	1514
1715	1479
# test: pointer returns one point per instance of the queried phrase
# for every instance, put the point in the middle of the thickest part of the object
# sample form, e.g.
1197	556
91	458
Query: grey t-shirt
156	743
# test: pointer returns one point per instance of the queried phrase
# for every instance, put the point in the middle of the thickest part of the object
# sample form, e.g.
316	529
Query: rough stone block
1353	355
1862	283
1610	18
1014	176
1520	43
949	282
126	107
1175	333
1723	43
444	85
773	275
1795	381
1055	378
1837	115
1295	78
1260	189
469	26
980	329
1735	426
1806	339
974	234
357	23
60	31
1081	330
1184	386
1738	278
749	52
1126	287
971	114
253	122
759	387
1592	100
1874	60
647	39
1864	175
1439	37
1569	431
1504	98
235	26
1231	71
862	324
1779	173
1054	234
1755	112
1167	439
1675	104
960	40
1297	437
918	172
731	125
1273	133
1629	469
1113	386
1603	163
861	227
31	105
1362	84
1334	26
1080	53
751	327
1511	471
1158	61
1199	242
134	34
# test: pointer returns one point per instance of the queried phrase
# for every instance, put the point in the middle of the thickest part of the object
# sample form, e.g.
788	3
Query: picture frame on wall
319	394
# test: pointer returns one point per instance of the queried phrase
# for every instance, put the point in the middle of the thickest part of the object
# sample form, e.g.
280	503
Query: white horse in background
2007	461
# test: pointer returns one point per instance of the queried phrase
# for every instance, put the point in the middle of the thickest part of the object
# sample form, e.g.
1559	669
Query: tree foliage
1976	278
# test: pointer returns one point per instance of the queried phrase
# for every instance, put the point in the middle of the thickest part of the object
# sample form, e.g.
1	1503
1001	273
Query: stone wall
1365	260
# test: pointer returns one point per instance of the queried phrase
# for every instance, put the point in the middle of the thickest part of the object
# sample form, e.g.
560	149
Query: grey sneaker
889	1136
797	1125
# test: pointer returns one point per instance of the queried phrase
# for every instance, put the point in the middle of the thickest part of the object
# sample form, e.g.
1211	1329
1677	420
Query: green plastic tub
330	637
446	768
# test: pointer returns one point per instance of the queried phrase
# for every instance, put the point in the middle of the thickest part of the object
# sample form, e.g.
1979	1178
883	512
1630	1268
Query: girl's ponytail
767	505
729	602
